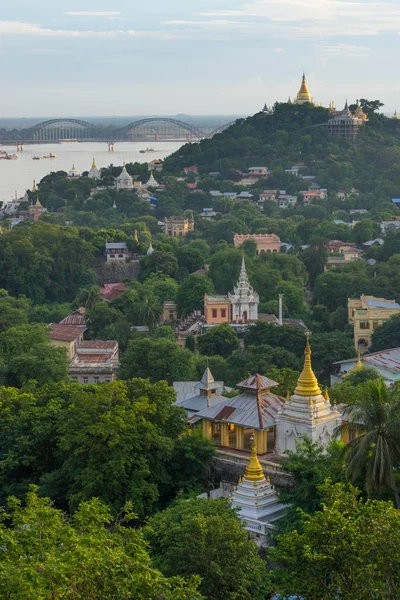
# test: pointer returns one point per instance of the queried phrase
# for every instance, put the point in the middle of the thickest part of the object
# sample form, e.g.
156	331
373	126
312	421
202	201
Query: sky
132	57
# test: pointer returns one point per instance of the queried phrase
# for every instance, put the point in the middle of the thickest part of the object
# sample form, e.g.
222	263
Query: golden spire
135	236
37	203
307	384
359	364
326	395
34	188
94	166
395	115
150	244
254	471
303	95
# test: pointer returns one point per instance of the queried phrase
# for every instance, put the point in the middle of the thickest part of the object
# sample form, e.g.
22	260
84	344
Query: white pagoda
124	181
244	299
256	499
94	172
306	412
73	173
151	182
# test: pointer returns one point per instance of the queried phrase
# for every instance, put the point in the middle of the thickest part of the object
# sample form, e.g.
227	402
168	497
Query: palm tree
150	312
88	297
375	451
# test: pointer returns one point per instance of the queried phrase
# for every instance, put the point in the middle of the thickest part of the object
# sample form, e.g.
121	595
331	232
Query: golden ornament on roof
307	384
254	471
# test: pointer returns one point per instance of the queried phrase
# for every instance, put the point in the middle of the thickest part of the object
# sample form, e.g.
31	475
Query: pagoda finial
395	115
136	237
37	203
307	384
254	471
326	395
34	188
359	364
94	166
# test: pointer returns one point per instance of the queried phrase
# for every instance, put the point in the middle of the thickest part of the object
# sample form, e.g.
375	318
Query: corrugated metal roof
188	389
381	304
65	333
257	382
246	410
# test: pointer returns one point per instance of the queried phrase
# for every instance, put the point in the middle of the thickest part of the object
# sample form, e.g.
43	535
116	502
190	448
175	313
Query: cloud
88	13
278	50
318	18
31	29
345	50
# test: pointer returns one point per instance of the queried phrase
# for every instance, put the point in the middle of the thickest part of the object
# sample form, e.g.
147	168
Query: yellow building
178	226
303	95
217	310
367	314
234	422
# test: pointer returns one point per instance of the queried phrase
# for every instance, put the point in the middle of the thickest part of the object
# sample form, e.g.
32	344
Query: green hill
294	134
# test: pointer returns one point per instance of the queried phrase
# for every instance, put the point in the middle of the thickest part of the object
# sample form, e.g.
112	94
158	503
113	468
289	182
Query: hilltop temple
303	95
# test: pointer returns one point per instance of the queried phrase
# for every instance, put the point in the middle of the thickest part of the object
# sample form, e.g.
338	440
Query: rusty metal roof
98	344
257	382
65	333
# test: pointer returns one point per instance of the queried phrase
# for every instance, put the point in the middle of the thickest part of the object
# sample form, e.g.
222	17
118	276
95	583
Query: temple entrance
244	317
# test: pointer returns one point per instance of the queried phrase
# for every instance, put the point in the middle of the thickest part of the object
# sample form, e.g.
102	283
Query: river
17	175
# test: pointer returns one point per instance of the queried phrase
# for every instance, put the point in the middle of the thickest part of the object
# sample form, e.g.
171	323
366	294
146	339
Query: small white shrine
151	182
124	181
257	500
94	172
73	173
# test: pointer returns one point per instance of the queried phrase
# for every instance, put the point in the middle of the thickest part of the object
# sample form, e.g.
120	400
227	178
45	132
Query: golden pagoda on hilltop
307	412
303	96
395	115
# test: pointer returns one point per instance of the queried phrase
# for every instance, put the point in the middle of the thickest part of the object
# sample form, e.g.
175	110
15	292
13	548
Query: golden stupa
307	384
303	95
254	471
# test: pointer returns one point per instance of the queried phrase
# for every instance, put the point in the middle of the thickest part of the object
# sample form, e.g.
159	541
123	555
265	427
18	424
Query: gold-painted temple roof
303	94
254	471
307	384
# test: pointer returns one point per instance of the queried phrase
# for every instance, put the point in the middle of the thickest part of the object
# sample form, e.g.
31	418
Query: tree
190	295
225	268
157	359
91	555
190	259
329	347
219	340
375	451
387	335
249	247
310	465
27	354
88	297
200	537
159	262
150	312
348	550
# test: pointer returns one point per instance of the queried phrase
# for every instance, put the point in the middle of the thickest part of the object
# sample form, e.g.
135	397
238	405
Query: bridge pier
111	146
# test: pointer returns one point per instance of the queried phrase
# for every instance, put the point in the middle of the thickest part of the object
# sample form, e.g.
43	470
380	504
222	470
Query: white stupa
306	412
124	181
256	499
94	172
150	249
73	173
151	182
244	299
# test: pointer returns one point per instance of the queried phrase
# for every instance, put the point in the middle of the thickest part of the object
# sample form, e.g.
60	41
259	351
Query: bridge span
151	129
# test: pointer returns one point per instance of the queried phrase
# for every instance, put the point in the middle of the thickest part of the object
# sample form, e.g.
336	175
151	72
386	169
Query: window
223	313
171	315
96	379
85	380
364	324
112	256
120	256
214	313
375	323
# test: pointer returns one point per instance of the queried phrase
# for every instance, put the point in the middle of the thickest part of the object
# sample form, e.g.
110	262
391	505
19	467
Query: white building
94	172
386	363
257	501
73	173
208	213
124	181
151	182
306	412
117	251
244	299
